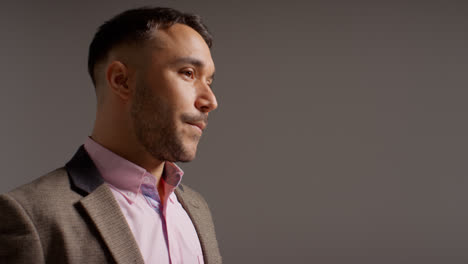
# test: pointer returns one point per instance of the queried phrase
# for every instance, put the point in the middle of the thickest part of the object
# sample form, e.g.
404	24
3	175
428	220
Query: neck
122	141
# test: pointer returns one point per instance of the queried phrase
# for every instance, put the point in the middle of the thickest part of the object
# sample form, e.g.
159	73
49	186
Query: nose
206	100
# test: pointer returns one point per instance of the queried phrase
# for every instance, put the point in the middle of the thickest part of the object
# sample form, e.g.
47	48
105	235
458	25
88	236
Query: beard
155	127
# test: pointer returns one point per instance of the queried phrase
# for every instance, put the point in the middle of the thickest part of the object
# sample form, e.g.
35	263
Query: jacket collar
84	175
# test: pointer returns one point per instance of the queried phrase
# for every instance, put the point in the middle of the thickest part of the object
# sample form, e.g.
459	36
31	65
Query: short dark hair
135	26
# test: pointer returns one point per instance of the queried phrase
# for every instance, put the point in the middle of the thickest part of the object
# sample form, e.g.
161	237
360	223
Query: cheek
183	98
179	93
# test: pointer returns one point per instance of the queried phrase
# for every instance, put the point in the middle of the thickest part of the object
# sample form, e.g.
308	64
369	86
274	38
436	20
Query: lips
200	125
197	121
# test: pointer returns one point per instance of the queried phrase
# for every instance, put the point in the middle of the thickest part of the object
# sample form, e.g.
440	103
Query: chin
188	154
186	157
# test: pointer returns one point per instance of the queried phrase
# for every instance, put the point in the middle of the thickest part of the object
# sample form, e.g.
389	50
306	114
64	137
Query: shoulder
186	190
44	183
188	194
48	192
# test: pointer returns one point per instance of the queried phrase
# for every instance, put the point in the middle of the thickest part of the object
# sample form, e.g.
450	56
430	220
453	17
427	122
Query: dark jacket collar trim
84	175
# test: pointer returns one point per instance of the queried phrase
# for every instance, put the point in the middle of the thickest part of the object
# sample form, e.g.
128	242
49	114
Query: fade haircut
135	26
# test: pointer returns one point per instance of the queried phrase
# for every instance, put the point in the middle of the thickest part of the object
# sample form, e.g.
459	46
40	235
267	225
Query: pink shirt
164	234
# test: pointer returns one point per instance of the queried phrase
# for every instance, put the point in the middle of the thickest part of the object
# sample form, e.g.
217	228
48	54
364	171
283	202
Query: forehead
179	41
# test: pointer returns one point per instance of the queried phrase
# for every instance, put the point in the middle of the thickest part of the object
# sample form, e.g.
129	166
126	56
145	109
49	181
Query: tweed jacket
70	216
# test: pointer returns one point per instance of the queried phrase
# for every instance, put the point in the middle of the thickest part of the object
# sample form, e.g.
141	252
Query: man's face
173	97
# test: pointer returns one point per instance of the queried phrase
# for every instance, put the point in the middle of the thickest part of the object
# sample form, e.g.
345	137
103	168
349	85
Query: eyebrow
191	60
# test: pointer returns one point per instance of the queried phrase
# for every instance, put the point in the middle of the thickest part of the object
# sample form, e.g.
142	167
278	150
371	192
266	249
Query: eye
210	84
188	73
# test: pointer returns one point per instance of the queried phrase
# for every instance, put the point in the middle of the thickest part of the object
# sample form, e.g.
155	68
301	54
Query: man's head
152	69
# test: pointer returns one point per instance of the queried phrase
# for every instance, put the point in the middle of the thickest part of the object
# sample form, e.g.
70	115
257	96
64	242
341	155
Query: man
119	199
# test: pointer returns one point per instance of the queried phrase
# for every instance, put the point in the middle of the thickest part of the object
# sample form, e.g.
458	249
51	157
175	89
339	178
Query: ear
117	77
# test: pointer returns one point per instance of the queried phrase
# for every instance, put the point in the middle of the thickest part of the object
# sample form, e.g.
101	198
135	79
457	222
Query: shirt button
130	194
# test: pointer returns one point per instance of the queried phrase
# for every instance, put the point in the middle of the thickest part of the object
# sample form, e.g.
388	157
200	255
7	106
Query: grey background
341	133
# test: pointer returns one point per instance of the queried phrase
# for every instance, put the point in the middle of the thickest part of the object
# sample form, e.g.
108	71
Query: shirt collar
127	177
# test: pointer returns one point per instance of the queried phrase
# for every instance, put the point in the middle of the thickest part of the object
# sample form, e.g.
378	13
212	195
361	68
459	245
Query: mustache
190	118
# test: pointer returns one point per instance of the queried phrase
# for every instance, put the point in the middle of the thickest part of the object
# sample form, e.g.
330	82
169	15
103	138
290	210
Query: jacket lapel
105	212
201	219
102	208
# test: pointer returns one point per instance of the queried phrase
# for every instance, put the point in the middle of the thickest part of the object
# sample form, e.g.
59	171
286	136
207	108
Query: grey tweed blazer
70	216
